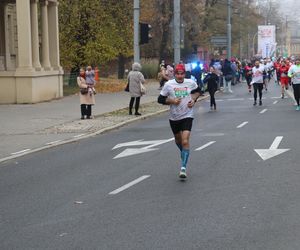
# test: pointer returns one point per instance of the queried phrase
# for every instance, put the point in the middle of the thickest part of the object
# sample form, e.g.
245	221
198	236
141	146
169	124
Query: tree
93	32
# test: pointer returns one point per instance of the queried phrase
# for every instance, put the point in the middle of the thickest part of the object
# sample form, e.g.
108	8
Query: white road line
276	97
205	145
263	111
76	136
53	142
236	99
242	125
20	152
264	98
129	184
212	134
275	102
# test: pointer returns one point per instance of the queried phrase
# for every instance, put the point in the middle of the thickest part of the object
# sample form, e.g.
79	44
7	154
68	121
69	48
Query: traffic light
145	35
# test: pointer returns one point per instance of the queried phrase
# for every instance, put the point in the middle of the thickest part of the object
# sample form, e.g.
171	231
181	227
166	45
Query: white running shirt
257	74
173	89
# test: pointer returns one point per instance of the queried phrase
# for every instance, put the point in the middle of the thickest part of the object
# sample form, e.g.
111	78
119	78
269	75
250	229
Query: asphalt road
73	196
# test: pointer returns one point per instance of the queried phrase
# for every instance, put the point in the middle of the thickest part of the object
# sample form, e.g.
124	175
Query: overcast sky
289	8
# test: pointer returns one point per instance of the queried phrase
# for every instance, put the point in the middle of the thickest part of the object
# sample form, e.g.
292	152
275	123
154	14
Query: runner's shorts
181	125
284	81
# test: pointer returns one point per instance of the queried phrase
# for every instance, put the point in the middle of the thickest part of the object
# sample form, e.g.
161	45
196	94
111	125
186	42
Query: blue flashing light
194	65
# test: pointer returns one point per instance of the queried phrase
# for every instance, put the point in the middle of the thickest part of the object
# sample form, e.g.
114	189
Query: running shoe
298	108
254	104
182	174
260	103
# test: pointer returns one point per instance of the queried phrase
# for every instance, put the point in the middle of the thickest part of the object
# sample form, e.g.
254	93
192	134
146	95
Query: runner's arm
167	101
195	93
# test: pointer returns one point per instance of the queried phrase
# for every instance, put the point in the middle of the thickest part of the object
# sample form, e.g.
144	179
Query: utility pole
229	29
136	45
176	31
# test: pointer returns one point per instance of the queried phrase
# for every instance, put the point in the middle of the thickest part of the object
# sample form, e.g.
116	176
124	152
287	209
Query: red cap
179	67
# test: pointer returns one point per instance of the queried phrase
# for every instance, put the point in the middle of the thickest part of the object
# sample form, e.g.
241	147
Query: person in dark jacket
212	85
197	73
227	73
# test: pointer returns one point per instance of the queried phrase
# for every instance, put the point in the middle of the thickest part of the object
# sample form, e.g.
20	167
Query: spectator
135	79
227	73
90	79
87	98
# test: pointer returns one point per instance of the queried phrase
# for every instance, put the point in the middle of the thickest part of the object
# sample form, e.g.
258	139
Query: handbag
143	89
84	91
127	87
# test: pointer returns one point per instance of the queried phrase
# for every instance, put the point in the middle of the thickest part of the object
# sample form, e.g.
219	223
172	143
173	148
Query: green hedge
150	70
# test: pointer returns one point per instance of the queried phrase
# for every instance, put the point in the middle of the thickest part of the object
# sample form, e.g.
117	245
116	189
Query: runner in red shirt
284	79
277	66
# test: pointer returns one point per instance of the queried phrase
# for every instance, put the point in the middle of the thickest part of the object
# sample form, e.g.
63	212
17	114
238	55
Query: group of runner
284	70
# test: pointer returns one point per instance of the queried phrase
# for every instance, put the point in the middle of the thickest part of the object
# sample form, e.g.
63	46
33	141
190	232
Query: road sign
273	151
219	41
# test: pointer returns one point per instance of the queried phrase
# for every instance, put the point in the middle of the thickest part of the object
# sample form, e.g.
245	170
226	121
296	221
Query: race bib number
181	92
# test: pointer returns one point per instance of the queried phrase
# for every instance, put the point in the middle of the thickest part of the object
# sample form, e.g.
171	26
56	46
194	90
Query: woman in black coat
212	85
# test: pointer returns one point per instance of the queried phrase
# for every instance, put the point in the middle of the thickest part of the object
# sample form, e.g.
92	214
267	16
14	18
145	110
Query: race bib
181	92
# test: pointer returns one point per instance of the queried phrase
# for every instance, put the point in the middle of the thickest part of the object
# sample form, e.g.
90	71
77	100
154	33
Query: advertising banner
266	40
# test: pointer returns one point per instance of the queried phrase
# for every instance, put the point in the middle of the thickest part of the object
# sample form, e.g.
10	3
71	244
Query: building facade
30	68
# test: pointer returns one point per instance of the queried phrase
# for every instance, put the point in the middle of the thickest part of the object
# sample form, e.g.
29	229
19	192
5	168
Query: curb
101	131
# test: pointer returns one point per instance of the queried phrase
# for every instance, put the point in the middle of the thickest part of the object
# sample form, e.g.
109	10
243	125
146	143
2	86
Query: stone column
24	36
7	39
2	37
45	37
54	39
35	35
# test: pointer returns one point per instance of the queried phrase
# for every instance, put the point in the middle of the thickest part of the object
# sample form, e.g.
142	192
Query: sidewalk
30	126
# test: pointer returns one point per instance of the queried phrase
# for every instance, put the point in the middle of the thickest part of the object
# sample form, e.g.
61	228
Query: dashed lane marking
263	111
242	124
205	145
130	184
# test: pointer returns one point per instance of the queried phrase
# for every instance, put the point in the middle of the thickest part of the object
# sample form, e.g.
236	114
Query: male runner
294	73
181	94
257	81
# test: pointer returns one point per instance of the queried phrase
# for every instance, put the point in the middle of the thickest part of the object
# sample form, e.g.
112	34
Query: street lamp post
176	32
228	29
136	45
253	41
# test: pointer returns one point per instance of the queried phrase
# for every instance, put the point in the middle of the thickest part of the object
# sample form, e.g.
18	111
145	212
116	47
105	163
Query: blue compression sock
179	146
184	157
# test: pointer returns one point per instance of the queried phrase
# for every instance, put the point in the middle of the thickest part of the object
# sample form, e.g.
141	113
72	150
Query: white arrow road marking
242	124
128	185
136	143
266	154
263	111
134	151
205	145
